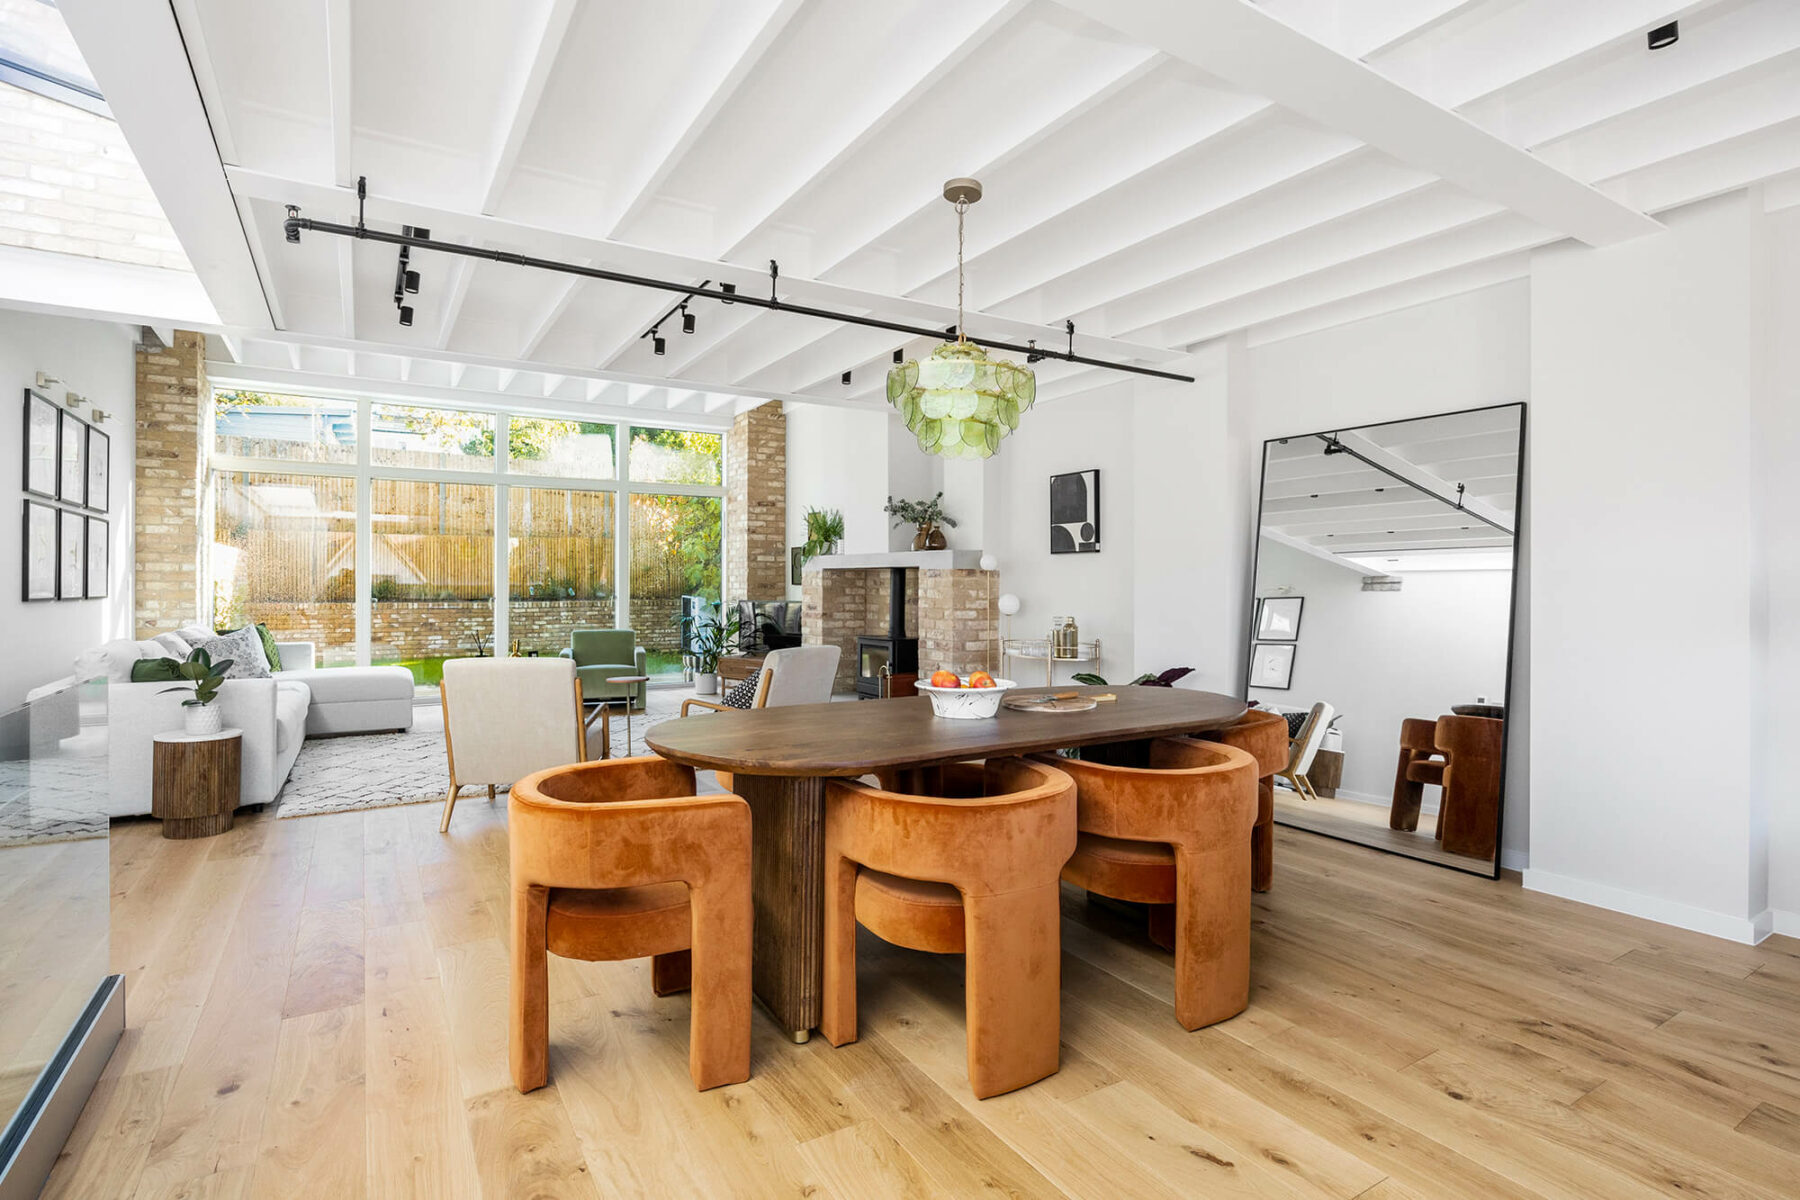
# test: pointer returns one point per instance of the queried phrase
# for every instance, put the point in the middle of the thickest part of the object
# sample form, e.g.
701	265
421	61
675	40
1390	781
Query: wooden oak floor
316	1009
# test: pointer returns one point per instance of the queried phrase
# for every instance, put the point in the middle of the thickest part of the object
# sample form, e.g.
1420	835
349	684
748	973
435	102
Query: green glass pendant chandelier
959	402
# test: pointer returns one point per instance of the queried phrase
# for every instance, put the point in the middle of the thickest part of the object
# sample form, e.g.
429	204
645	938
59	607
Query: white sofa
276	714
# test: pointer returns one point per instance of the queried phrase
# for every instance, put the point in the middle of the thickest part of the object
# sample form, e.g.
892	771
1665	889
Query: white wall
1781	499
838	458
94	359
1381	657
1647	582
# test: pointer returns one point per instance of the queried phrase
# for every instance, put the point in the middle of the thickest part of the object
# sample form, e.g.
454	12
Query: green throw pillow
155	670
271	651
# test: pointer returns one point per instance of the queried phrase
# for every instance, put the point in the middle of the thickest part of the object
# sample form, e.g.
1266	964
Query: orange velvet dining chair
970	871
1264	736
620	859
1174	833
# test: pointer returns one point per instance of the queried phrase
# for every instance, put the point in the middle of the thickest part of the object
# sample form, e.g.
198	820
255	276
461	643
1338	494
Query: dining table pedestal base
787	846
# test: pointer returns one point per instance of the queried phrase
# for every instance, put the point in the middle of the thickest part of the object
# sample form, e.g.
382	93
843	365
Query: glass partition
561	449
676	456
268	425
56	892
436	438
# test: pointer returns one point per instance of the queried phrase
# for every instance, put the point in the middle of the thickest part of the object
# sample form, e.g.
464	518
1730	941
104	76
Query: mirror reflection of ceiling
1383	499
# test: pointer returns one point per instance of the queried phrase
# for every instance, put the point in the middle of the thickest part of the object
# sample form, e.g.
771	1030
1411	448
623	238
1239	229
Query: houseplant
712	637
824	531
200	717
924	515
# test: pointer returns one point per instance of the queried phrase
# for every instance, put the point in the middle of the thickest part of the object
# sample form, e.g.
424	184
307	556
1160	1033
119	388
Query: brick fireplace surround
950	608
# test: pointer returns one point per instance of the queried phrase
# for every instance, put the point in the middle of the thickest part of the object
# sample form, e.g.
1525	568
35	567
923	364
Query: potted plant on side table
927	516
200	718
713	636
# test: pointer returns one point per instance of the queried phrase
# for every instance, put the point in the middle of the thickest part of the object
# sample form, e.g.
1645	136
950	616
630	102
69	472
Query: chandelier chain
962	206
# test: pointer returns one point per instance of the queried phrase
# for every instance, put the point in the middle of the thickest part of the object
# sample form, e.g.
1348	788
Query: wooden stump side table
194	782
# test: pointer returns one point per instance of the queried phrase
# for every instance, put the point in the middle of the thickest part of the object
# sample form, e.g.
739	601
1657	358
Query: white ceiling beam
504	379
1238	42
717	400
346	271
294	357
524	91
1713	170
136	53
1425	481
337	385
406	368
561	295
1439	285
234	346
337	204
456	373
1305	547
462	273
726	64
552	382
339	63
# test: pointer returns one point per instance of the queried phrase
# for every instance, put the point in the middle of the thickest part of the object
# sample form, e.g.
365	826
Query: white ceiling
1396	490
1162	172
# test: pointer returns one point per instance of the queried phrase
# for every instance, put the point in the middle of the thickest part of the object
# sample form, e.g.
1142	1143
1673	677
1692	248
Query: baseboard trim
1787	924
1745	930
1515	860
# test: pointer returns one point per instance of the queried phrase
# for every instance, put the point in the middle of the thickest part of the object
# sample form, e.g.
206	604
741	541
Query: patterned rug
383	770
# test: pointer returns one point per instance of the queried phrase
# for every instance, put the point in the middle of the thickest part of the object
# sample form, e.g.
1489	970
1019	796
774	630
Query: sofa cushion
292	698
337	685
110	659
174	645
155	670
245	650
195	634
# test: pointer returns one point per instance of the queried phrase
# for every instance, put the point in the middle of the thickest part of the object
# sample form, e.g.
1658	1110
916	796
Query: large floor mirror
1382	627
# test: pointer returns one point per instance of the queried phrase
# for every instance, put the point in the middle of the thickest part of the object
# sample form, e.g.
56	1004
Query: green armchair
601	654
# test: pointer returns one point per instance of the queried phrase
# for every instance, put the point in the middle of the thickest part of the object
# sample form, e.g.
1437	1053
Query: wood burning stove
892	651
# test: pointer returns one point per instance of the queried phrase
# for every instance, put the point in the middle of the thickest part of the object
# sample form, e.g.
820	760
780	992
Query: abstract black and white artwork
1278	618
71	556
40	551
1075	513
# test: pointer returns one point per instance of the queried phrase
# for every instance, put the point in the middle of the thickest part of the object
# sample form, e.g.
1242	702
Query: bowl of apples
964	698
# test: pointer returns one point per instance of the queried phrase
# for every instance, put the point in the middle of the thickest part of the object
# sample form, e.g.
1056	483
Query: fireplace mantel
928	560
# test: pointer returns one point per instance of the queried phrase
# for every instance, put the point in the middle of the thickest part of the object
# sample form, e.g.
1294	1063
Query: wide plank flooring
317	1009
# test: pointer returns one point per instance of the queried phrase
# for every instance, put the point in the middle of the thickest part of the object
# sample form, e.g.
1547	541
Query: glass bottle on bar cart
1065	638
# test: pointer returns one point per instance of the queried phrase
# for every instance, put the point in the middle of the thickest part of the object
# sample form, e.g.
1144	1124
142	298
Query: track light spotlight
1665	35
658	344
729	289
687	320
899	357
845	379
412	281
406	314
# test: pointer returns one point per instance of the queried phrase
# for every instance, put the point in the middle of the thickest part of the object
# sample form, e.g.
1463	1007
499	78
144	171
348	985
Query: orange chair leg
837	1012
529	1020
1212	937
671	973
1013	988
1262	837
719	1030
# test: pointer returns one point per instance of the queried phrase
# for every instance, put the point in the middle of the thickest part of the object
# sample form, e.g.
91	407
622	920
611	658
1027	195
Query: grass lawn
429	672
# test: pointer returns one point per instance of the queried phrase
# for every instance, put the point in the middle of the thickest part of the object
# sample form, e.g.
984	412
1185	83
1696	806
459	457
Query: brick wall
172	410
950	612
756	559
69	184
957	621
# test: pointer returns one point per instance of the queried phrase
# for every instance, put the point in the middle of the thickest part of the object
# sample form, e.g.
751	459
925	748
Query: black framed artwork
71	555
1272	665
1278	618
71	459
39	548
1075	513
99	469
99	562
40	444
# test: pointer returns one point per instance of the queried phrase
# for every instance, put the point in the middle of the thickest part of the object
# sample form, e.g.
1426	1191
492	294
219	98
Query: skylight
38	53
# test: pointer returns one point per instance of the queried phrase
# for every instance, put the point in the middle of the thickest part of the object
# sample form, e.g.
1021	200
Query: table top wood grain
850	739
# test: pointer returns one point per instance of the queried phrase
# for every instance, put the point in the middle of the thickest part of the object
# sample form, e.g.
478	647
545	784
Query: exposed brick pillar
756	566
174	423
958	621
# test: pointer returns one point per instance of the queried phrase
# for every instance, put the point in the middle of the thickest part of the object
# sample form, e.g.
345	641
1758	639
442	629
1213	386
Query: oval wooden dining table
780	759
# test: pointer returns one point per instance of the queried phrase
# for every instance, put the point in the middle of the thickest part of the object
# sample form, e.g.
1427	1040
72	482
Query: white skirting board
1748	930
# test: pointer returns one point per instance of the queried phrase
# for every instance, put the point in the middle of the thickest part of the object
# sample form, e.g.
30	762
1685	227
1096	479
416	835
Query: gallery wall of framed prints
67	480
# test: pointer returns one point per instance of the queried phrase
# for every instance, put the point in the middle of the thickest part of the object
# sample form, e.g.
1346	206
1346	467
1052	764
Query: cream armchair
505	718
796	675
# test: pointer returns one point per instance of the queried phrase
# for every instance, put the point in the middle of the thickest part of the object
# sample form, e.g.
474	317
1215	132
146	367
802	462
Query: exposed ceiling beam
135	52
461	275
524	90
732	60
1438	285
1416	476
1305	547
339	63
346	270
1236	41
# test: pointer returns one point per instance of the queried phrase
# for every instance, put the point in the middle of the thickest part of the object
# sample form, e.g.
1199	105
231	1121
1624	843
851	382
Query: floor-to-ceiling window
368	528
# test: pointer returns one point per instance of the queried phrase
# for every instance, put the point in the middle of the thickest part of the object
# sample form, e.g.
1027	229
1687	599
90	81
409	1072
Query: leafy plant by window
714	636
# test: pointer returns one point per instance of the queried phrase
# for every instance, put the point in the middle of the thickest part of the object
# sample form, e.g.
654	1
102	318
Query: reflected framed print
40	444
1272	665
1278	618
99	563
40	552
71	556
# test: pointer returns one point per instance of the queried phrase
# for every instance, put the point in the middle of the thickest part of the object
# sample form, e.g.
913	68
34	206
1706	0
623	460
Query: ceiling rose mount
959	402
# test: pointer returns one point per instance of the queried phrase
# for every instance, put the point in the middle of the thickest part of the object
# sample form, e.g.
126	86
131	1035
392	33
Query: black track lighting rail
725	293
1334	446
